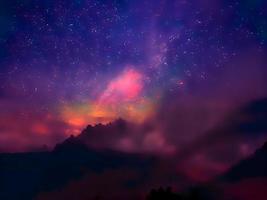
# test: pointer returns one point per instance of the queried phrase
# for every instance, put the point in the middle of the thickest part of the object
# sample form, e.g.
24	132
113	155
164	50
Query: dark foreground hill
253	167
24	175
248	179
245	181
75	171
86	172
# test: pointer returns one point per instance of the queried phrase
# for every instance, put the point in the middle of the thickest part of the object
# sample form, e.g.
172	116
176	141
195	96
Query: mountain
253	167
94	136
248	179
245	181
74	168
85	167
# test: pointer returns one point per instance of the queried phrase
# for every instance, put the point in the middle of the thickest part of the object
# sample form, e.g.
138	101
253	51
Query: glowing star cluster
122	97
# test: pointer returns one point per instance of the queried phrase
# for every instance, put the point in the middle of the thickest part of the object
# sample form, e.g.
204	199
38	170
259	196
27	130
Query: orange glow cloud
40	128
122	97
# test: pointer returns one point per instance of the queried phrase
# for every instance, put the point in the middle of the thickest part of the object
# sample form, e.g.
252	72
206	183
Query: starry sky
68	63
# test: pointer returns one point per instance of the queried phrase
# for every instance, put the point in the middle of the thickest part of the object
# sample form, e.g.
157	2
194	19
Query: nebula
122	98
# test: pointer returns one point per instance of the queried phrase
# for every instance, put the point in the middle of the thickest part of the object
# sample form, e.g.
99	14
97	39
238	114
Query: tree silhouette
163	194
195	193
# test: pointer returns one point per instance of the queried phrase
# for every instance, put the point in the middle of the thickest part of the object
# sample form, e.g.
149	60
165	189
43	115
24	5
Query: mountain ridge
253	166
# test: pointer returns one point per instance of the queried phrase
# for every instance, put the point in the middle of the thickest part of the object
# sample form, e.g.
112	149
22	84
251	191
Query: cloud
25	129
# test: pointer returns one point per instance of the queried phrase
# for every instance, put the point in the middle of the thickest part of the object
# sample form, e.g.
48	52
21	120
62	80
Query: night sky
181	67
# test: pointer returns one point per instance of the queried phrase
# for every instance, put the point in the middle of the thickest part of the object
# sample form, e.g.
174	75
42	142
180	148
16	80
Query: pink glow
126	87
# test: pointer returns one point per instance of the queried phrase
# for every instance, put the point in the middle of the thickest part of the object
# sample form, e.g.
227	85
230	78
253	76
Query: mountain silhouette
81	166
245	181
26	176
94	136
248	179
243	125
254	166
